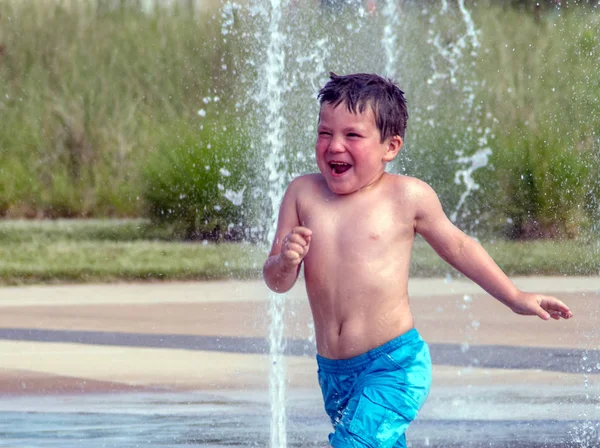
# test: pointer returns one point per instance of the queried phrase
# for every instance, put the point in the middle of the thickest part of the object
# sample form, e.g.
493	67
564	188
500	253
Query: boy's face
349	151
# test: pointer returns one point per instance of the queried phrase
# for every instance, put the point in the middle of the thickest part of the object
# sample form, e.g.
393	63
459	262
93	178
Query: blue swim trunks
372	398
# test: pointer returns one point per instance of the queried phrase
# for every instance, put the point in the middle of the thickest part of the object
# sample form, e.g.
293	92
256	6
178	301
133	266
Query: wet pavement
185	364
486	356
231	419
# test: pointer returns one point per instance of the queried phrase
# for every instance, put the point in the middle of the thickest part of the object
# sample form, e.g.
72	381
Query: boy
353	226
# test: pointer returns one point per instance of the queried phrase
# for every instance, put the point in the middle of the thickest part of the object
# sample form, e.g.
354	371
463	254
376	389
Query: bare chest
357	227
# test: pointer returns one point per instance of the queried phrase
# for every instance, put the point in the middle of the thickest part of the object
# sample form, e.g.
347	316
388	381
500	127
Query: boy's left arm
469	257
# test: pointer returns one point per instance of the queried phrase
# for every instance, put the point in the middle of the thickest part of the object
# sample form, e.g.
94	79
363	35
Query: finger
566	315
298	248
291	255
559	306
304	231
542	314
558	314
551	304
556	310
297	239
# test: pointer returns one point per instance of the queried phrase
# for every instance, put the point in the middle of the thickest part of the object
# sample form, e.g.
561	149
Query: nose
336	145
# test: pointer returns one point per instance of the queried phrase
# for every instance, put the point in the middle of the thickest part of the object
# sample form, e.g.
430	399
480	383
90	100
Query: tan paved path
456	312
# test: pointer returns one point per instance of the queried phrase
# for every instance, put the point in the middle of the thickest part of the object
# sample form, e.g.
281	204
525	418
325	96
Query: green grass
525	258
107	251
113	230
106	261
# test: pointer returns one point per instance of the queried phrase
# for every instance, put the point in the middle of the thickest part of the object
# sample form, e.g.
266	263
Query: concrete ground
210	335
165	364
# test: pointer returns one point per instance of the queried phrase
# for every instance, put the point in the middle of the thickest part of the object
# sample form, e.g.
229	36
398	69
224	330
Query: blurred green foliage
542	85
99	115
535	105
202	182
81	89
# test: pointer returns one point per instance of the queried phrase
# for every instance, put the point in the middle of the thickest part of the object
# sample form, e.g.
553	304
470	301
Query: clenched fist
294	246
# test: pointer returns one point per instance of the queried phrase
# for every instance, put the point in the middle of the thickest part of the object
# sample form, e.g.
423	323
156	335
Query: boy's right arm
290	245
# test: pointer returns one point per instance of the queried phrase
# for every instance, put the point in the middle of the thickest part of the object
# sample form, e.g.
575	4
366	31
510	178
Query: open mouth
339	167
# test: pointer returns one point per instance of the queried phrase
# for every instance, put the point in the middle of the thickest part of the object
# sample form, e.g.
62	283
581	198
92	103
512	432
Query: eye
324	133
353	134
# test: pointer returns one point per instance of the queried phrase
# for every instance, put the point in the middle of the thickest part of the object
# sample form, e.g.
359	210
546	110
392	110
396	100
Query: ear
394	145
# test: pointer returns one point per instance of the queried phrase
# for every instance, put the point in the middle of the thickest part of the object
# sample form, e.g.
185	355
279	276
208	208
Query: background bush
542	85
528	99
203	181
82	89
99	111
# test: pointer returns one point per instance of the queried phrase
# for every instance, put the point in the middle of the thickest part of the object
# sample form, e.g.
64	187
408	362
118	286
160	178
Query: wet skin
353	227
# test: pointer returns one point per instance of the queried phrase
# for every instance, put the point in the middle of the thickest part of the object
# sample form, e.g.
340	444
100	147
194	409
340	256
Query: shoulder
305	183
411	188
415	197
301	187
307	179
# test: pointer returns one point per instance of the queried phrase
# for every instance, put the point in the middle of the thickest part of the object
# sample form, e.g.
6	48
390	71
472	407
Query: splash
389	42
450	64
274	142
465	176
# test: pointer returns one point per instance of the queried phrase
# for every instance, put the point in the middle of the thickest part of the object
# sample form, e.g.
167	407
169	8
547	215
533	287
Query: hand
545	307
294	246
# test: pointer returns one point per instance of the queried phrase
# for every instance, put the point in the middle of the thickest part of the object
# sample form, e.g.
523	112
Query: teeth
339	167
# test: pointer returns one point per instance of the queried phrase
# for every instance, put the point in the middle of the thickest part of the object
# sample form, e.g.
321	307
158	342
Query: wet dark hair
360	90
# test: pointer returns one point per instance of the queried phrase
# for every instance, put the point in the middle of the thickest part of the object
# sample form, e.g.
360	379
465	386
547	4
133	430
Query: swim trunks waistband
359	362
